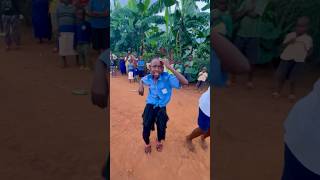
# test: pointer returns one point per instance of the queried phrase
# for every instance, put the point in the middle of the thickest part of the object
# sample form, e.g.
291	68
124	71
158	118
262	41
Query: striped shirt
66	17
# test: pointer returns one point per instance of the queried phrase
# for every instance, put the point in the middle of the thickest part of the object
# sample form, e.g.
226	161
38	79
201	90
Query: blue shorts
203	121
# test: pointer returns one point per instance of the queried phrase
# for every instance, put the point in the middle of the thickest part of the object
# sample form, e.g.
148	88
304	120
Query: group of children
296	47
76	33
131	65
135	68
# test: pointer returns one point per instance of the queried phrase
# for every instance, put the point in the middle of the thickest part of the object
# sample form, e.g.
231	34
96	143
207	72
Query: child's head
156	67
222	5
81	13
204	69
302	25
190	58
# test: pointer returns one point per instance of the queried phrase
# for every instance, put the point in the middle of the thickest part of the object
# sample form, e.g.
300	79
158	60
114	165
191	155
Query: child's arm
179	76
289	39
141	88
232	60
99	89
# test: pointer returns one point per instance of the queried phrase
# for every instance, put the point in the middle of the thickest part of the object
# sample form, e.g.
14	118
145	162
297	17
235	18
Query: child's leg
207	134
6	26
296	71
204	127
148	121
281	75
194	134
16	30
162	119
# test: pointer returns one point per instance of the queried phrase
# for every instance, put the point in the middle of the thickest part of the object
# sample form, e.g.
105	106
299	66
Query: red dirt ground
128	160
46	132
248	128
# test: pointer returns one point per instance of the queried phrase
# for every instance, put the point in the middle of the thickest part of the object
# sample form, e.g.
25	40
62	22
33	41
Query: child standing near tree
298	46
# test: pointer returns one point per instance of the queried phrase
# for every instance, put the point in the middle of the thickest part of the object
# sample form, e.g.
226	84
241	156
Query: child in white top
202	77
298	46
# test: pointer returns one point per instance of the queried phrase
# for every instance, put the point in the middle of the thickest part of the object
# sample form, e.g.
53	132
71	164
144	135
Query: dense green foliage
279	18
139	27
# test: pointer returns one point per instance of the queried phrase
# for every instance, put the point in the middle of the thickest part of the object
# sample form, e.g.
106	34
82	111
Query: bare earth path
248	130
46	132
128	160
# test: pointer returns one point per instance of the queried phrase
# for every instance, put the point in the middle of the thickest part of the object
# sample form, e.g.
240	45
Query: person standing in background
1	23
11	17
66	19
54	27
99	13
41	20
248	35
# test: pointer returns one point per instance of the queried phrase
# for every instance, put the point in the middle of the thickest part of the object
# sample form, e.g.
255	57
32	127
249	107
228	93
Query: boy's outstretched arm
179	76
100	90
232	60
141	88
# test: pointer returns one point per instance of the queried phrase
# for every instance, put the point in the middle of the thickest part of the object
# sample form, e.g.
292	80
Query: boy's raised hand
166	64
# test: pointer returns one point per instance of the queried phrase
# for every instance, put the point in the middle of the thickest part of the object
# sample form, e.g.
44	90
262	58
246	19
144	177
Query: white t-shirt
203	76
204	102
302	130
298	50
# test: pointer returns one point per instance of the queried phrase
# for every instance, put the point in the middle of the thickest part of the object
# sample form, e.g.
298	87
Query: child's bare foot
147	149
203	143
189	144
275	95
159	146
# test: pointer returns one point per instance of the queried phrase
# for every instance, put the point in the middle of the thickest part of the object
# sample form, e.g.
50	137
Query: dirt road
46	132
128	160
248	128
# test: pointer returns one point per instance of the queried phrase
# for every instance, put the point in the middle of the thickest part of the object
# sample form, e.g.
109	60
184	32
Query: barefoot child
298	46
83	39
11	17
130	71
230	59
160	90
202	77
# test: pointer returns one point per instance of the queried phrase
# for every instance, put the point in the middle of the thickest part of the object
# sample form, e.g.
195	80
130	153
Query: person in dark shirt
11	18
